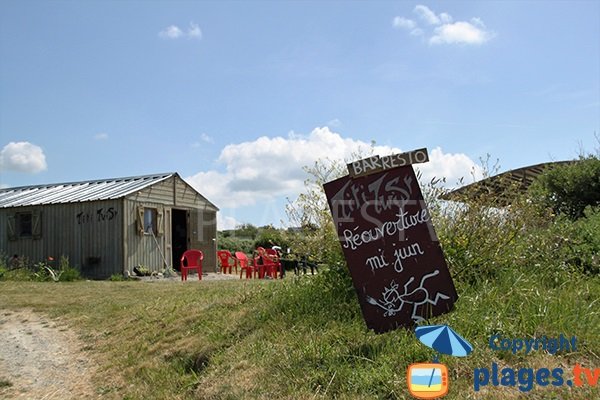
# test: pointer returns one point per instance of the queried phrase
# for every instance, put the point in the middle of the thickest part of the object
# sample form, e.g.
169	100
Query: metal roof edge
92	181
78	192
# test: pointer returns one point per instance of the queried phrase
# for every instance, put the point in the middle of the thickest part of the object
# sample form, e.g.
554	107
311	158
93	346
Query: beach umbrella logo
443	339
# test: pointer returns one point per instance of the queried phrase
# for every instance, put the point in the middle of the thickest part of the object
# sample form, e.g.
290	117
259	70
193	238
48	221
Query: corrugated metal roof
74	192
498	185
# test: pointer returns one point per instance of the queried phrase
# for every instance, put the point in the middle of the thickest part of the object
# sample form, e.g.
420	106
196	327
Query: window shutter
36	224
12	227
140	220
160	221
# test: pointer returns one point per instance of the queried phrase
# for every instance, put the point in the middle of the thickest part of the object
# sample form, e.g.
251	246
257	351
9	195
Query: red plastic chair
260	266
276	268
191	259
227	261
245	265
265	264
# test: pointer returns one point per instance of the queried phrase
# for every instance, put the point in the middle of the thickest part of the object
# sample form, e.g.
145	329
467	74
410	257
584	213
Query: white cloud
427	15
452	167
404	23
445	18
270	168
460	33
171	32
442	29
22	157
101	136
175	32
267	168
407	24
194	31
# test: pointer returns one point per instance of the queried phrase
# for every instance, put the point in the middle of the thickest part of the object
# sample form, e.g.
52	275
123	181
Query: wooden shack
109	226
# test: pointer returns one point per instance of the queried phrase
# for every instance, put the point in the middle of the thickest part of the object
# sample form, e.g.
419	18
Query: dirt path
41	359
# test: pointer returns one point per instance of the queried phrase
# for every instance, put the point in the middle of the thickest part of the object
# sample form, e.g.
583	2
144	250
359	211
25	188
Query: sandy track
41	359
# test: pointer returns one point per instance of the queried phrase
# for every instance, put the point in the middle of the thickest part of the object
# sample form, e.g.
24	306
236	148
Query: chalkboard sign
393	254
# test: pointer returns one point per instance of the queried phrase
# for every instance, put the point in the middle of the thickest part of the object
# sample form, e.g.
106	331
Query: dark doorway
179	235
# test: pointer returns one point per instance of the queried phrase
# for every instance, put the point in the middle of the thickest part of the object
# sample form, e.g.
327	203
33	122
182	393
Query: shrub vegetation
20	269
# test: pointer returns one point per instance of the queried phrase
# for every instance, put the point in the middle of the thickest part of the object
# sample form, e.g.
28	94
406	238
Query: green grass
304	338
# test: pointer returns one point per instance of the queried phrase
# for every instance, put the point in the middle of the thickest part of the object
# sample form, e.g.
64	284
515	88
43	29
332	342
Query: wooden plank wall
88	233
170	194
142	249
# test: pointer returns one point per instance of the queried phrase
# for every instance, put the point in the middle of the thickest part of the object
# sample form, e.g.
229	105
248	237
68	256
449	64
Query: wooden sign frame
397	265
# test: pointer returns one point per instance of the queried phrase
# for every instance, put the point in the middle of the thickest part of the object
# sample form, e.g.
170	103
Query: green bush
13	270
480	241
117	278
233	244
70	275
270	236
570	188
582	247
67	272
247	237
247	231
20	274
42	271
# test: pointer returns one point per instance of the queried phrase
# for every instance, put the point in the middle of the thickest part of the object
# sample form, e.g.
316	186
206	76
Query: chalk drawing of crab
393	301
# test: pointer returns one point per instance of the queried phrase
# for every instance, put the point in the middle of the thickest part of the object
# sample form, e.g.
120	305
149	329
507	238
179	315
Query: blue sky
238	96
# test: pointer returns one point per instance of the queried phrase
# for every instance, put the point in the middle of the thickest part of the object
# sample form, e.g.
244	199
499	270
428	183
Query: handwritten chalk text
383	194
403	253
404	221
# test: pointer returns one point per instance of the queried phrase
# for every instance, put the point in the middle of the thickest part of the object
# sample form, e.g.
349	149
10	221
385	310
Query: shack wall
88	233
154	251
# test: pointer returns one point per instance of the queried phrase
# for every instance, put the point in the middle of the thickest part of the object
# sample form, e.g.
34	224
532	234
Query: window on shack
25	224
150	221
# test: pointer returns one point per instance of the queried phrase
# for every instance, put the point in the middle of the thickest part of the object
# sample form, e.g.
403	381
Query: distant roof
74	192
519	179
